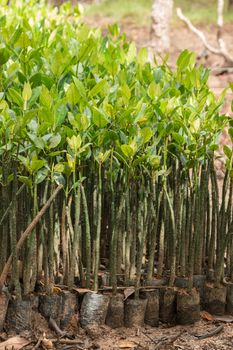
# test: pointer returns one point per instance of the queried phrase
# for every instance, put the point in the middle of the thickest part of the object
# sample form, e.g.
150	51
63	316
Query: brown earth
140	338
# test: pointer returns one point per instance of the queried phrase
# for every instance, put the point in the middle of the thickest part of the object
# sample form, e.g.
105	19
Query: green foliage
87	111
66	85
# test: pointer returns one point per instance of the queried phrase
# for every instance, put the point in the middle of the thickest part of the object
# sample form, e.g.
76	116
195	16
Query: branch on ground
221	50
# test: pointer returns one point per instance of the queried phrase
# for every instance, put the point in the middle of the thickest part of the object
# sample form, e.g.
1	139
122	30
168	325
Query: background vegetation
139	12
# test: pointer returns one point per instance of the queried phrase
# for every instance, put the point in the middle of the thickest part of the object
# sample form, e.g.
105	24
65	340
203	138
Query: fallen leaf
128	292
82	290
47	344
126	344
57	290
15	343
206	316
225	318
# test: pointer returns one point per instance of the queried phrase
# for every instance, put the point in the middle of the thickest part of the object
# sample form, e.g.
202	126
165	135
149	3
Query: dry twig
221	49
166	341
53	325
75	342
37	344
210	334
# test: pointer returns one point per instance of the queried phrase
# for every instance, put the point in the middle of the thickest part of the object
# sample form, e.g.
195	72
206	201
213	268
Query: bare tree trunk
222	48
230	4
160	29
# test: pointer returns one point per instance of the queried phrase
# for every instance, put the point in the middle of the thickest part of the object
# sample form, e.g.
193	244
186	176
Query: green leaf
59	179
126	92
27	91
152	90
146	134
131	54
39	79
2	21
158	74
72	95
60	113
16	35
102	157
178	138
106	156
15	97
4	55
59	168
45	97
41	175
97	88
74	142
59	62
85	49
127	150
36	140
36	164
80	122
54	141
99	119
143	56
23	41
228	152
186	60
79	85
222	96
26	180
230	132
114	29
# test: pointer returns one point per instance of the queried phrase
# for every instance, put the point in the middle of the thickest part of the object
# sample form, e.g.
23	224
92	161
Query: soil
137	338
215	299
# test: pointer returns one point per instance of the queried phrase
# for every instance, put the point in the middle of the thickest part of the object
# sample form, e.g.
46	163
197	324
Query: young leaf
72	95
97	88
74	142
146	134
127	150
131	54
143	56
27	91
45	97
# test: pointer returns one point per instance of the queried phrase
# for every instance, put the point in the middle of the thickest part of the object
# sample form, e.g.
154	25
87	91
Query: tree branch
221	50
26	233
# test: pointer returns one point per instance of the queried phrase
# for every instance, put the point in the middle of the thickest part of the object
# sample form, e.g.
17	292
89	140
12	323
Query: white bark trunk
160	29
222	48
